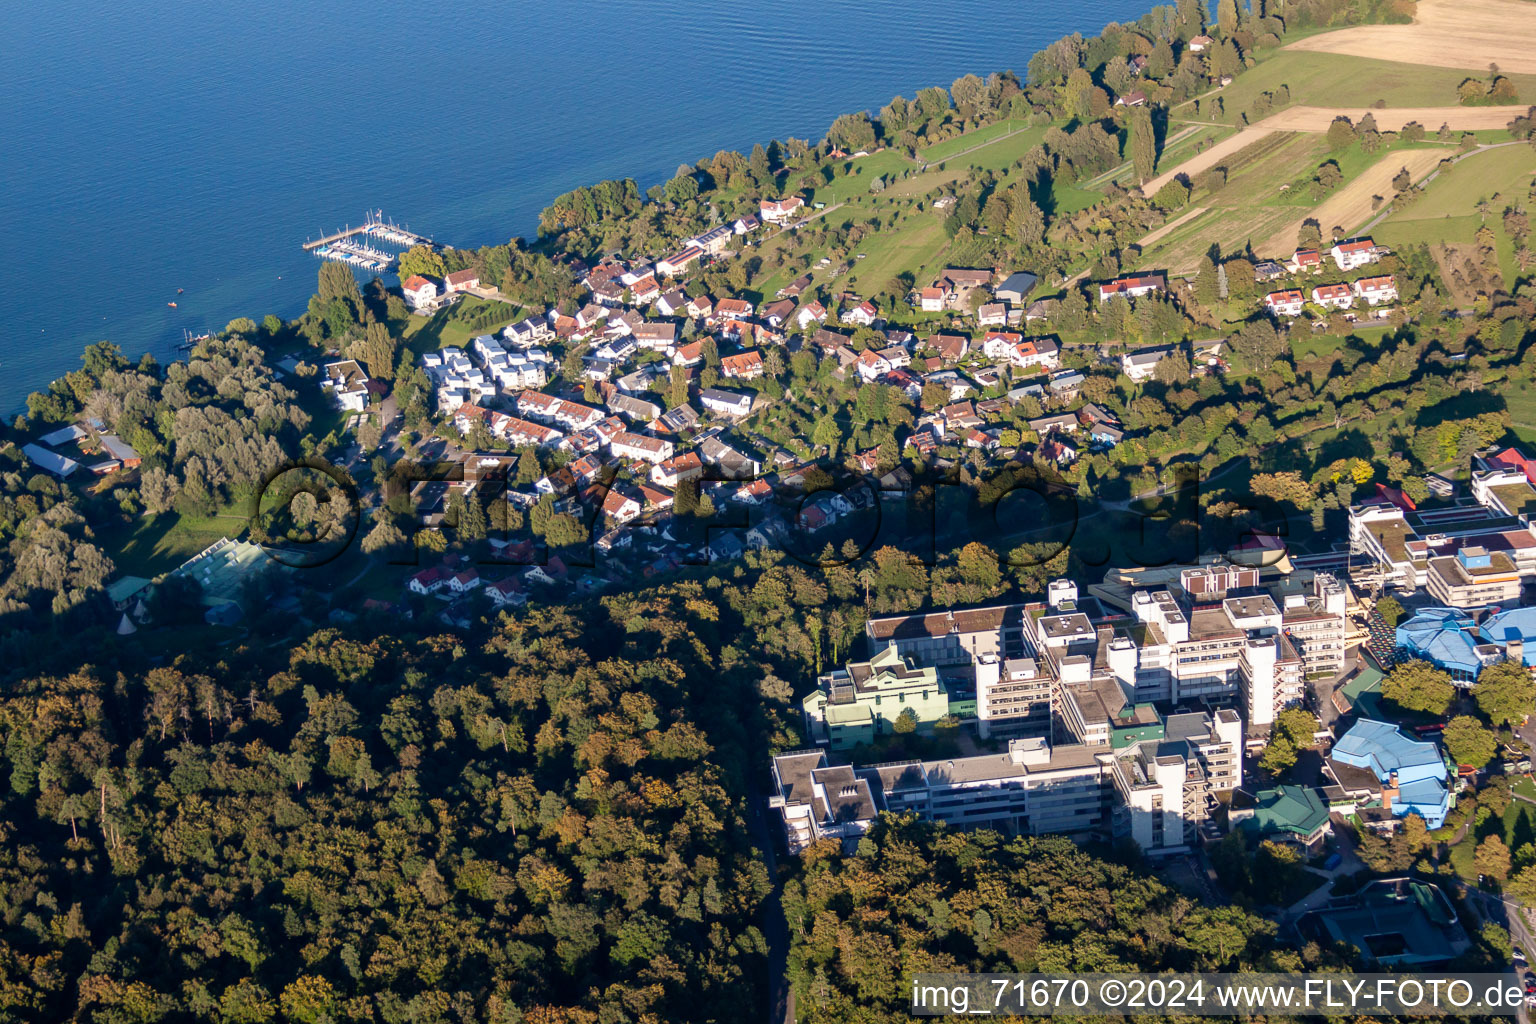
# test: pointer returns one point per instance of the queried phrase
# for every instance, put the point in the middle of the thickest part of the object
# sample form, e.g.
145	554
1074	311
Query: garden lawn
449	328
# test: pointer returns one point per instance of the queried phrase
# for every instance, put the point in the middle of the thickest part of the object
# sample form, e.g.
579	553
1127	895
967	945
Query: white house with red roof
428	581
506	592
461	280
1357	252
463	582
742	366
810	313
645	290
1304	261
1333	296
621	507
780	211
418	291
864	314
1286	303
1373	291
629	445
1133	287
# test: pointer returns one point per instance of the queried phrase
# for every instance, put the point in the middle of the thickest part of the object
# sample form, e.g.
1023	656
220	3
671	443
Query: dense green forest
544	828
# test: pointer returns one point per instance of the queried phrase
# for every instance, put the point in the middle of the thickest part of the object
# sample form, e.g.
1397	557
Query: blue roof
1514	624
1441	635
1382	749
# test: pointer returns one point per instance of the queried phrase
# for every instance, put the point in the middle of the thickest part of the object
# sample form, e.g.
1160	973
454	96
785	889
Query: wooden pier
338	236
375	225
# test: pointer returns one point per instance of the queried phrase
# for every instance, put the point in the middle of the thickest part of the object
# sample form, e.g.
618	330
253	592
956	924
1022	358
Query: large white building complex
1118	715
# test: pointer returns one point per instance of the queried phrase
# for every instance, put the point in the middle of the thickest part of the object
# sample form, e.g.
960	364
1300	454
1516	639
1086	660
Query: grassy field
1521	402
979	136
1332	80
151	545
915	242
1506	172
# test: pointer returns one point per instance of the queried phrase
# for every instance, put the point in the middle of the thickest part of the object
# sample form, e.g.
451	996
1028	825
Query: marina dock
347	245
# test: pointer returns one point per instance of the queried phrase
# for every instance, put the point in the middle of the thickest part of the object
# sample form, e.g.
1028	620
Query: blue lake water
186	145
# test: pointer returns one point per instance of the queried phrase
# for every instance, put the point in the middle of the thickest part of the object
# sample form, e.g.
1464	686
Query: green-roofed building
1296	815
855	704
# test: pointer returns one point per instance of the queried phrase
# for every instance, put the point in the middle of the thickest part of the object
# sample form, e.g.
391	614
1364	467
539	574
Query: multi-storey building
1154	785
863	700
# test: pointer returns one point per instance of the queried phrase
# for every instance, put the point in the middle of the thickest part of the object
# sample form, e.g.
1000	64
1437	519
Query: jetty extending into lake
376	225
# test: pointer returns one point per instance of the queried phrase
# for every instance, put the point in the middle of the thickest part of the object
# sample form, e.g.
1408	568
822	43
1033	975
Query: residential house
1065	385
737	309
691	354
1201	43
1333	296
461	280
960	417
726	403
1376	290
673	471
701	307
428	581
992	314
621	507
959	284
678	263
1032	352
644	290
1041	309
636	410
1140	365
1286	303
679	422
777	314
463	582
418	291
505	593
629	445
1133	287
810	313
1304	261
673	302
655	335
795	287
1134	98
745	225
1267	270
1357	252
864	314
714	241
951	347
933	299
1057	449
742	366
347	384
780	211
731	463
